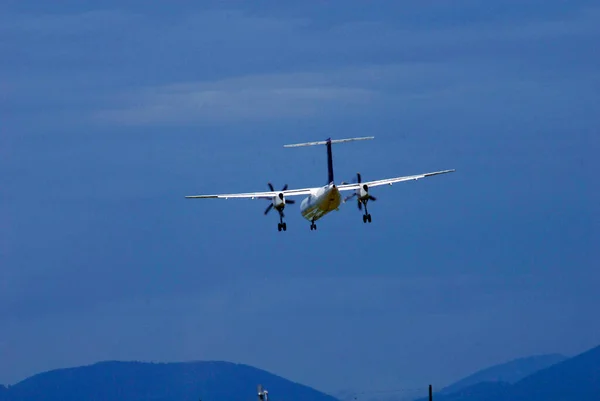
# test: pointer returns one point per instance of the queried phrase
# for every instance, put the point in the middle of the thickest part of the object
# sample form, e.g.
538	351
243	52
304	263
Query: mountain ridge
509	372
577	377
159	381
574	377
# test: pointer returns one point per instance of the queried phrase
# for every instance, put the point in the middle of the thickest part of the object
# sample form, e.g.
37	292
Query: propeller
287	201
358	180
355	180
268	209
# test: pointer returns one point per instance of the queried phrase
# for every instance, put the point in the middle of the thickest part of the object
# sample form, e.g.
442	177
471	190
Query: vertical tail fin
328	142
329	162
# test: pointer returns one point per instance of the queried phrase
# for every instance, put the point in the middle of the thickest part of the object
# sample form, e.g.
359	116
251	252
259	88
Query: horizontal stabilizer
295	145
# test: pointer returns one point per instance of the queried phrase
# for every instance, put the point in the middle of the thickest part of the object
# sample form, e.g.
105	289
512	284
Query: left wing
257	195
390	181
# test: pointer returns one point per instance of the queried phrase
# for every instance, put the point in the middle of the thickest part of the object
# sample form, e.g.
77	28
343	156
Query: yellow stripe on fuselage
315	207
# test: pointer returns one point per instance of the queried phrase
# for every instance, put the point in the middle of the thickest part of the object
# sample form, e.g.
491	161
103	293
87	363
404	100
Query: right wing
390	181
257	195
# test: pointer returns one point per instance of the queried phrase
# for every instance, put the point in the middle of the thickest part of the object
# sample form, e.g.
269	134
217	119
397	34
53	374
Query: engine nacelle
364	192
279	201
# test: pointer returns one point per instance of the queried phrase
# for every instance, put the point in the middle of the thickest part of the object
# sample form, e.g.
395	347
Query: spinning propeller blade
358	179
287	201
349	197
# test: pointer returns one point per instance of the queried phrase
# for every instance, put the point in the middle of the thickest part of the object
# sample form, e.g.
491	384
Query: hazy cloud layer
229	101
220	65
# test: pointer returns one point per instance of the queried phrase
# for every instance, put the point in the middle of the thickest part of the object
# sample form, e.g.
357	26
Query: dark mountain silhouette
577	378
572	379
484	391
509	372
137	381
3	393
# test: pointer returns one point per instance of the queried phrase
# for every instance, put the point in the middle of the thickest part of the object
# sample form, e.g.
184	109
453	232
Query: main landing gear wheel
366	218
281	226
313	226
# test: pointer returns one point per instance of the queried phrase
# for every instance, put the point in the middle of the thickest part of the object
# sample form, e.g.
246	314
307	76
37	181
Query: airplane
324	199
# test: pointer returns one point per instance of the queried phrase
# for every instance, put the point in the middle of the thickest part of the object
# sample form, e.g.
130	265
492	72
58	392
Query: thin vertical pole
430	393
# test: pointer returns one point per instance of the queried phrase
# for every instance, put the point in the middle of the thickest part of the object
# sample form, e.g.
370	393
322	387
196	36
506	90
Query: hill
137	381
3	393
572	379
509	372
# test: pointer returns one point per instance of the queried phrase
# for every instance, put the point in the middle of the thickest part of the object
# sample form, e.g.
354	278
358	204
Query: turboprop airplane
321	200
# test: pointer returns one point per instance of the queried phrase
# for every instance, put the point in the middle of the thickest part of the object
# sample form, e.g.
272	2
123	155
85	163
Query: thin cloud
210	40
251	98
412	87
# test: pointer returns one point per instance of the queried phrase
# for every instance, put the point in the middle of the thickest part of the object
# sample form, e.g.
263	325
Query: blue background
112	112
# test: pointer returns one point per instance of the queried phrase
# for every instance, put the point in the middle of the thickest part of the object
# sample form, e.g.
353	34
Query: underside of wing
390	181
256	195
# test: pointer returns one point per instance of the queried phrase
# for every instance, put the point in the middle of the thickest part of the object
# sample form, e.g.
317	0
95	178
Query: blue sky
113	111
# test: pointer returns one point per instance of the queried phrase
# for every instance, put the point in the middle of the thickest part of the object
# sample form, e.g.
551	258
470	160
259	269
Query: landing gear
281	225
313	226
367	215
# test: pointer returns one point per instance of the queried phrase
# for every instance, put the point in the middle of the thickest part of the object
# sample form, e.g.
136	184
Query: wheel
278	226
369	217
284	227
364	218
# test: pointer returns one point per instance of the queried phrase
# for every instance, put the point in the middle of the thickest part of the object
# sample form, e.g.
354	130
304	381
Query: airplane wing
390	181
257	195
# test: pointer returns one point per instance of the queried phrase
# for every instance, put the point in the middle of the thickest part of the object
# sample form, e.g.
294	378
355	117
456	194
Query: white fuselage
321	202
